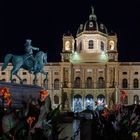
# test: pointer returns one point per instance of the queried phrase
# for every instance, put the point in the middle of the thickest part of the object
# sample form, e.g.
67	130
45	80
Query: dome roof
92	25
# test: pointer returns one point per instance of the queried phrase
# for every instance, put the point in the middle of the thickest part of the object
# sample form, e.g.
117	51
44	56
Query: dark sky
46	21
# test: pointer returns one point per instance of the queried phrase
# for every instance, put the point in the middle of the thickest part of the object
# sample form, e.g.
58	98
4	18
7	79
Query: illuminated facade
89	71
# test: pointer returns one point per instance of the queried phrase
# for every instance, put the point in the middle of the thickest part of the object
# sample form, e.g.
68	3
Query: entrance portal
101	102
77	103
89	102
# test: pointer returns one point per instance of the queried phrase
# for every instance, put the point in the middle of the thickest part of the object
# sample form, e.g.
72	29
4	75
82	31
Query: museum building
89	74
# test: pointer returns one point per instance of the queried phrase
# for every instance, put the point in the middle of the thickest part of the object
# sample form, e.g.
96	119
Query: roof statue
92	10
92	16
28	61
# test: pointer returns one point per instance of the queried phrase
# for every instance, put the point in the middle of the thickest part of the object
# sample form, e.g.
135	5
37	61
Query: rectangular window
100	70
124	73
90	44
24	73
2	73
77	70
56	73
136	73
89	70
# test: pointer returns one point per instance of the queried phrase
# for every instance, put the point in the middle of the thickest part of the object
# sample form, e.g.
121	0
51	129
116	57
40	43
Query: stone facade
89	70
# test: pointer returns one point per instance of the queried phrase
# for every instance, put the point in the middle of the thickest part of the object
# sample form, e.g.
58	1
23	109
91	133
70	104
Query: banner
123	96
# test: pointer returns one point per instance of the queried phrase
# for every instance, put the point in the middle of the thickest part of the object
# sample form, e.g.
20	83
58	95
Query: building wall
89	70
113	74
130	71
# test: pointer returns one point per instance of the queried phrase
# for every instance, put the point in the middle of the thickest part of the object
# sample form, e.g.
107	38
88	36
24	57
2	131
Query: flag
123	96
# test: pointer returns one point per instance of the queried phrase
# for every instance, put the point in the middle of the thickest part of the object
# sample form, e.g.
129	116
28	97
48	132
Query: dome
92	25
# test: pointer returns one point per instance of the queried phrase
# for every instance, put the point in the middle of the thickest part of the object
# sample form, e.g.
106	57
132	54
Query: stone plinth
21	93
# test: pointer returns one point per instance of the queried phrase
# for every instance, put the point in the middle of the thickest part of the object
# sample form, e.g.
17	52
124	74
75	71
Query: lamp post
62	98
46	86
116	94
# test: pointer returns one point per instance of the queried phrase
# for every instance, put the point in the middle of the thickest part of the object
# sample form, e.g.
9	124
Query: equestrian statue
29	62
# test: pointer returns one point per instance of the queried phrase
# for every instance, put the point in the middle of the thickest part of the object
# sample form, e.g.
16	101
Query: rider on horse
29	52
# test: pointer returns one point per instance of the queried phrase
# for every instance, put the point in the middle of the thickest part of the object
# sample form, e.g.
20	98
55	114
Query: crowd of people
121	123
37	120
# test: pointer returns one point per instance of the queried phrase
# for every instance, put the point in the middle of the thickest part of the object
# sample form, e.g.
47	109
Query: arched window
24	81
64	99
102	46
111	45
56	99
89	82
100	96
77	82
80	46
77	103
101	101
89	102
3	80
90	44
136	83
126	100
101	82
124	83
56	84
67	45
136	99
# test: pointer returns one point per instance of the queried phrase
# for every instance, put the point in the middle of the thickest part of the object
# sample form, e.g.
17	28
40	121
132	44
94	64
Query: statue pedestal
21	93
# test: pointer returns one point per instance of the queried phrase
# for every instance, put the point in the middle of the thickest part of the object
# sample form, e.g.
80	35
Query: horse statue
26	62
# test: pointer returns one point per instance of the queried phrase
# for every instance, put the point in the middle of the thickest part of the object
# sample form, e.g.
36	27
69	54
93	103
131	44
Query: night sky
46	21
